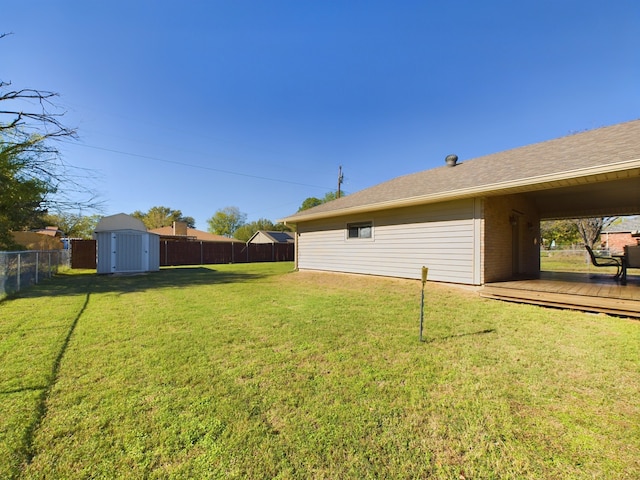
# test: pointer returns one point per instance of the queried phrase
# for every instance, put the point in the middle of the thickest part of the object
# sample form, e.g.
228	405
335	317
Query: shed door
129	252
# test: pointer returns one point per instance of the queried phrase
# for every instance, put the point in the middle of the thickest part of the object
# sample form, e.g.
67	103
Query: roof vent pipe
451	160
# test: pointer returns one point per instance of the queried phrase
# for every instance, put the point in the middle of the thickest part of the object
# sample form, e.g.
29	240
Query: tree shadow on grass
181	277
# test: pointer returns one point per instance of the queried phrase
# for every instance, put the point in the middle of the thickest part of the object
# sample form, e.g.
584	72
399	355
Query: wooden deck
576	291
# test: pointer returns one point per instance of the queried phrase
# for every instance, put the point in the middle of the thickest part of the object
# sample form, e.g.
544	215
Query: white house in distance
264	236
125	246
475	221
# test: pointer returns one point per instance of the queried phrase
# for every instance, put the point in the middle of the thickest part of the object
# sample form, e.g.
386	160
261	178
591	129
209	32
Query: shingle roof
274	236
606	149
630	224
279	237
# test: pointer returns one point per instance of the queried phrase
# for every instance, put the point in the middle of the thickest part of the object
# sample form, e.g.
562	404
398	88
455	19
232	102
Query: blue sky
199	105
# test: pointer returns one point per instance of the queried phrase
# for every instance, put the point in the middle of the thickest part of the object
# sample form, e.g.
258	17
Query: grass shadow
459	335
71	283
12	391
41	408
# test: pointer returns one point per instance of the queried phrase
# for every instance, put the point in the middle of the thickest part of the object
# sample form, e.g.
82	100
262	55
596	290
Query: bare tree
33	173
590	228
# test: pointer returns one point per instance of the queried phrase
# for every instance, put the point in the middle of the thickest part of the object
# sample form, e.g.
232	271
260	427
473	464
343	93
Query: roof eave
521	185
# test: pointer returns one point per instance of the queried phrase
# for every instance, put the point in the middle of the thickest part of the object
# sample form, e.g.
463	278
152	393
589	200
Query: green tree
311	202
157	217
562	232
226	221
574	230
246	231
73	225
21	197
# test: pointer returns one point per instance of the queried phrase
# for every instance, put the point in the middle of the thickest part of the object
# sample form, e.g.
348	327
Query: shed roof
120	221
603	154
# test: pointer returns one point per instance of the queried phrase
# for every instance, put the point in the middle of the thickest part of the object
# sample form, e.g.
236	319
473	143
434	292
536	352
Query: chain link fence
19	270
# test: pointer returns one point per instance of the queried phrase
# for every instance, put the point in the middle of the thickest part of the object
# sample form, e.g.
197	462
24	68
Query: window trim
359	226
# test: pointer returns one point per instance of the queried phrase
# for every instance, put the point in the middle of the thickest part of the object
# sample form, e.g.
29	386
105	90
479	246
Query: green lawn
567	261
576	261
253	371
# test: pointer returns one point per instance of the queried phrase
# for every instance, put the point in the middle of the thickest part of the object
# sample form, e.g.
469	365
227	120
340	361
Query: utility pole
340	179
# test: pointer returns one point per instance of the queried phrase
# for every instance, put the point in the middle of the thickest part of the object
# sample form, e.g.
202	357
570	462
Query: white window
360	230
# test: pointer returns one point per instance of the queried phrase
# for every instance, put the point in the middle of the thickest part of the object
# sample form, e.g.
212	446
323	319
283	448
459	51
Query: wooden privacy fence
203	253
172	253
83	254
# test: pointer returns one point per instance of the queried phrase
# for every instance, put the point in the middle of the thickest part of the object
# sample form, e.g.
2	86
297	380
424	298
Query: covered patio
612	189
590	292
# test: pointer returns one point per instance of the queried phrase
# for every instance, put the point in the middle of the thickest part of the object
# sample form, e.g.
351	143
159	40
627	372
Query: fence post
37	265
19	265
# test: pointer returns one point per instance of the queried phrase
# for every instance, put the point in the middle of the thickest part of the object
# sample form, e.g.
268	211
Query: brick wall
616	241
500	215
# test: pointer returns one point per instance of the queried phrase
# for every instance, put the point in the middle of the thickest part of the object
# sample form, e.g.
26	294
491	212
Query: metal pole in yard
425	270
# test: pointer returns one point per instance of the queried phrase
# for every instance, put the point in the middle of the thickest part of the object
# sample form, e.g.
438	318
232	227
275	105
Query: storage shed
125	246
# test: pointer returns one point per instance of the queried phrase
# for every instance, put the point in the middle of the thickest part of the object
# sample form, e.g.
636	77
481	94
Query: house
50	231
179	231
271	246
475	221
49	238
125	246
265	236
615	237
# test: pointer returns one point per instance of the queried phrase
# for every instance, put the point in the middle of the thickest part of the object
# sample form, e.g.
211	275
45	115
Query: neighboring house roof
630	224
192	234
120	221
50	231
604	154
275	237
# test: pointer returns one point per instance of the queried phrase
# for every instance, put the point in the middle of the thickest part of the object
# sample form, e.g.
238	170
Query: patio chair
599	261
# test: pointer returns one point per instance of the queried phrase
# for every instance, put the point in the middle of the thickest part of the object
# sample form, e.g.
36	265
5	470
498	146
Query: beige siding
261	238
445	238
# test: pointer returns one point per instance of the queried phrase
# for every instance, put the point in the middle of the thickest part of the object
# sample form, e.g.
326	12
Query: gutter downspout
295	253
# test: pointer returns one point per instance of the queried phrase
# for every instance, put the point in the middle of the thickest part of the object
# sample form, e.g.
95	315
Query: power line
184	164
